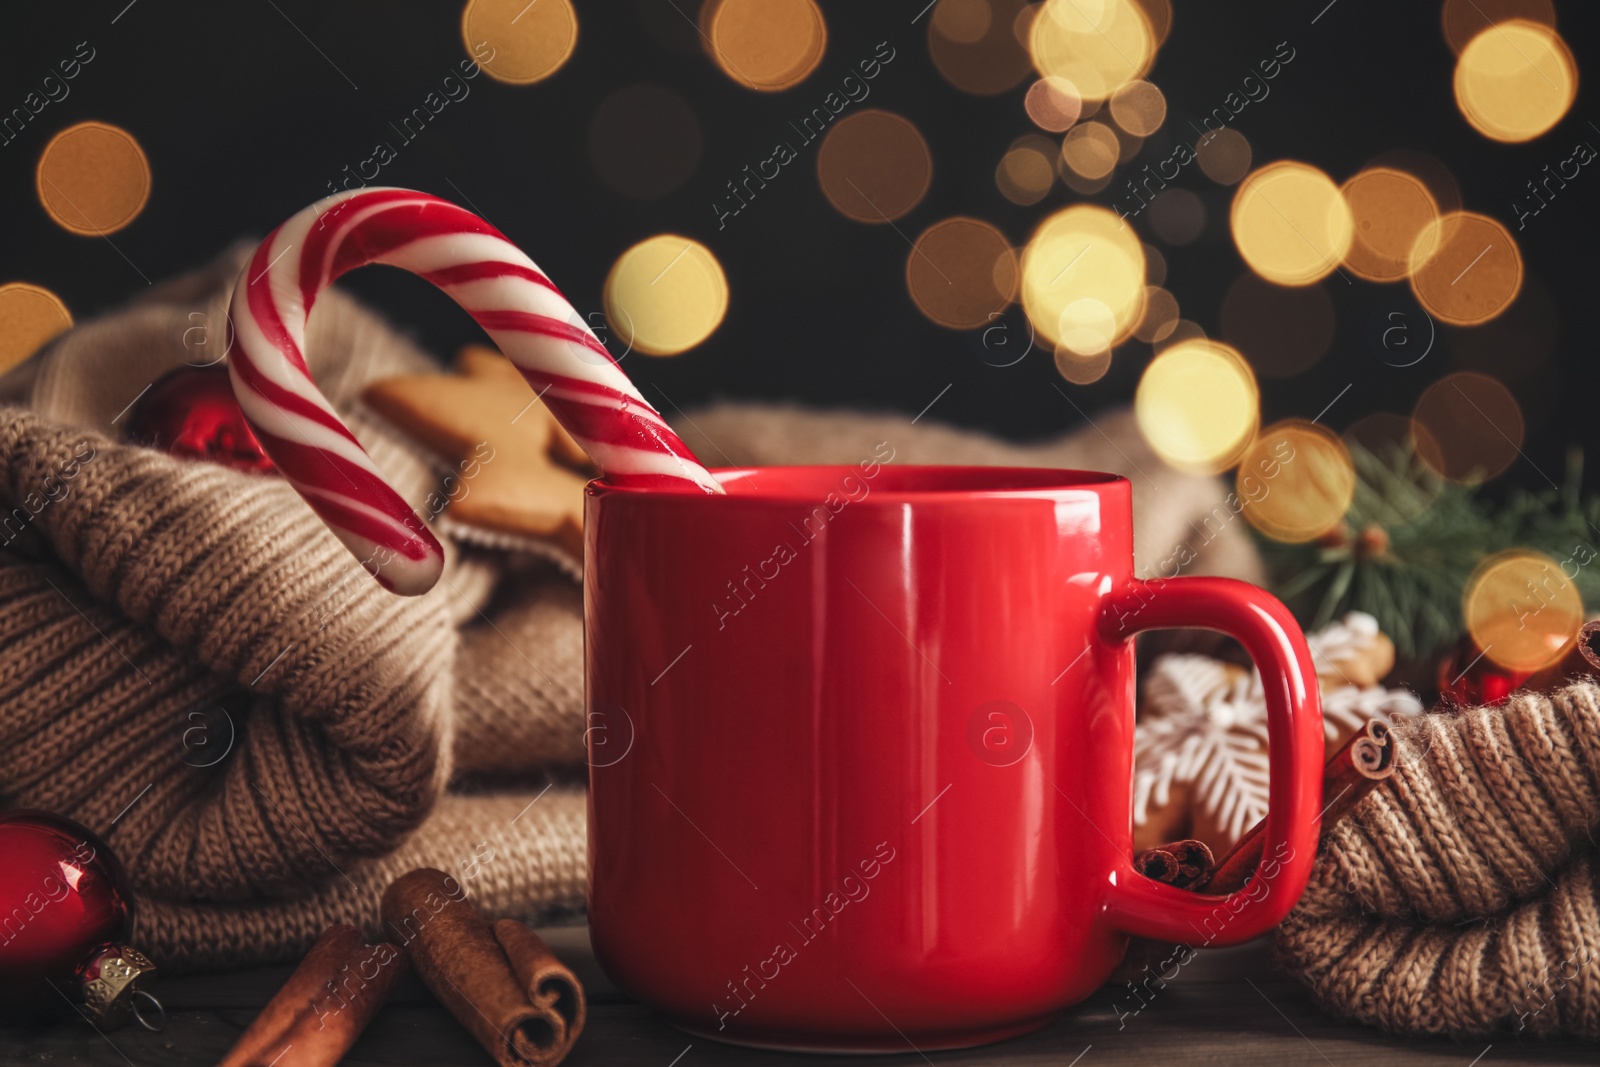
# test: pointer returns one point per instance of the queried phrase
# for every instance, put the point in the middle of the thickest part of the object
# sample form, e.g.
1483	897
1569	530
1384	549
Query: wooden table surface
1227	1007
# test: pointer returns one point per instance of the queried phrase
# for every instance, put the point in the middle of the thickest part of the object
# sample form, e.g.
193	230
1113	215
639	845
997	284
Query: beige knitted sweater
1463	896
193	666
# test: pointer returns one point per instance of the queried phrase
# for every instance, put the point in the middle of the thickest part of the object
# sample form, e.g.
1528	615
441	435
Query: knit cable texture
1463	896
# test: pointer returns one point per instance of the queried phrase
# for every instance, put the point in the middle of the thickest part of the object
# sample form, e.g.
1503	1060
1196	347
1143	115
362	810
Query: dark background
245	122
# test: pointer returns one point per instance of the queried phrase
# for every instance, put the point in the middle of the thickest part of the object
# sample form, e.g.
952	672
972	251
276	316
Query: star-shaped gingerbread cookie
522	474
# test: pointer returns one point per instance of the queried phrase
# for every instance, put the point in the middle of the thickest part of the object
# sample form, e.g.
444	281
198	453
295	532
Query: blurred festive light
874	166
528	42
644	140
1084	187
1462	20
665	295
1139	107
1515	80
961	273
963	21
1098	45
1465	268
1428	169
1469	427
1390	209
93	178
1281	331
1384	434
1521	609
1182	331
1290	223
1160	315
1082	369
1083	252
1086	328
30	315
991	64
1197	406
1159	14
1155	265
1027	170
1515	343
1312	481
1128	145
1224	156
1090	150
1053	104
767	45
1177	216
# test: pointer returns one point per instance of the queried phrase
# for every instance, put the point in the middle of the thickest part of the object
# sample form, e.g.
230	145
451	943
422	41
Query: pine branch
1410	541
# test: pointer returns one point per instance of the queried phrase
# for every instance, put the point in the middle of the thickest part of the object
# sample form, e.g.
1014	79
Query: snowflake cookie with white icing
1200	750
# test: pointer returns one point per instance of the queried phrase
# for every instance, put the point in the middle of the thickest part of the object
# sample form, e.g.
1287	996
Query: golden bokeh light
665	295
1159	14
961	273
1160	315
1390	209
1515	80
645	141
1312	482
1468	427
30	315
1182	330
1090	150
1281	330
1082	369
1053	104
874	166
1139	107
1155	265
1086	328
1083	252
1521	609
963	21
990	64
1224	156
1027	170
766	45
93	178
1462	20
1197	406
1098	45
1465	268
1291	223
529	42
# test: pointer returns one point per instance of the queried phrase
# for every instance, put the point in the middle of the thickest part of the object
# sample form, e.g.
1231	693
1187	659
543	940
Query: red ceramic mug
861	748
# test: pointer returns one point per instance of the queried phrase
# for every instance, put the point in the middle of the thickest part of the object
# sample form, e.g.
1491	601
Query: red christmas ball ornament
1467	677
65	911
192	412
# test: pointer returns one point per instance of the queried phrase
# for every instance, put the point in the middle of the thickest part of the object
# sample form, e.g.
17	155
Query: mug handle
1143	907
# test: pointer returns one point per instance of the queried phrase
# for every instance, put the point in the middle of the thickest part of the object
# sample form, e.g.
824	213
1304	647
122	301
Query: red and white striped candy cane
492	279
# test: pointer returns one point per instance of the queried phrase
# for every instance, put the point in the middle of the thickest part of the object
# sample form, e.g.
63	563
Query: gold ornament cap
111	983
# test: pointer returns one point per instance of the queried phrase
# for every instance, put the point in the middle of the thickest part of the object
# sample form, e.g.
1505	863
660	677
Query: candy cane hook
498	285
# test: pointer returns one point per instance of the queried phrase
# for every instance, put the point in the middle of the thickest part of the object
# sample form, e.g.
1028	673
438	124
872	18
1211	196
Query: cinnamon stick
324	1006
1582	657
1180	863
1349	775
521	1005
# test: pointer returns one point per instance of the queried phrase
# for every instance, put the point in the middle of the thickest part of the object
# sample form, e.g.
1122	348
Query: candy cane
498	285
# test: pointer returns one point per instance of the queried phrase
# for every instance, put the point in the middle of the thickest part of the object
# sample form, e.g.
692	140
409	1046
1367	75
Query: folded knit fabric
193	666
1463	896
